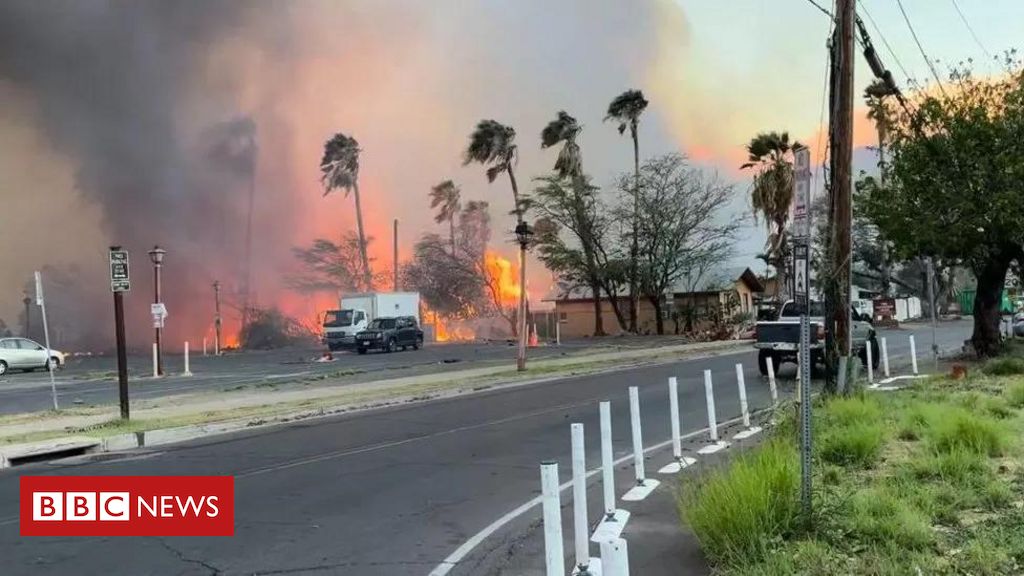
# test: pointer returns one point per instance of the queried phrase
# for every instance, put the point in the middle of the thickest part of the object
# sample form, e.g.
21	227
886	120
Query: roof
719	280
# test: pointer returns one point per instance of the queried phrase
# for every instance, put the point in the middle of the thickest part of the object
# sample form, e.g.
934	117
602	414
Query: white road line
467	547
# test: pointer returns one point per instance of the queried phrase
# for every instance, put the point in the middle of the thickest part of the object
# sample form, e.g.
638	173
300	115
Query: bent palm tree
771	193
626	109
492	144
569	165
445	197
340	170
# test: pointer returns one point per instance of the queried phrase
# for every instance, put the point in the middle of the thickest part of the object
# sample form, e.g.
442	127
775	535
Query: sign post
119	284
46	337
801	293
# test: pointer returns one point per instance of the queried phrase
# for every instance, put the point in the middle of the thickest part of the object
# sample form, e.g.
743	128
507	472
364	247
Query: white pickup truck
779	339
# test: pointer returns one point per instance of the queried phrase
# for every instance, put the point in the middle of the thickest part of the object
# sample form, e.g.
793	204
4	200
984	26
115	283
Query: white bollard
558	333
677	445
871	360
554	558
709	395
614	520
885	358
204	346
188	372
748	430
579	500
614	558
156	373
913	354
772	388
644	486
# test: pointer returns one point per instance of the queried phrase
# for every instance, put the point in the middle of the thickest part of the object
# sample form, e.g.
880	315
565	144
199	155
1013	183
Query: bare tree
329	265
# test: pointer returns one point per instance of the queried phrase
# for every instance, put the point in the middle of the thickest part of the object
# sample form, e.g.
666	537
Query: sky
109	111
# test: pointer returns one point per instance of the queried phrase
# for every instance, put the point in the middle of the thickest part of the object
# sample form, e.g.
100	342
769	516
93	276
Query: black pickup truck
387	334
779	339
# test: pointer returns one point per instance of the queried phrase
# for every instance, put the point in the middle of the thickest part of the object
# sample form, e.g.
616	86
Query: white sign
159	312
802	192
39	289
800	281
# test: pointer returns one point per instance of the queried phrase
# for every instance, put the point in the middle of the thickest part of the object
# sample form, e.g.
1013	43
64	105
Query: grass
1007	366
925	480
739	512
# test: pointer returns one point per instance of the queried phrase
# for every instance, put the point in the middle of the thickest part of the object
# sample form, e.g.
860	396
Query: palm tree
626	109
492	144
875	95
569	165
445	197
340	169
771	194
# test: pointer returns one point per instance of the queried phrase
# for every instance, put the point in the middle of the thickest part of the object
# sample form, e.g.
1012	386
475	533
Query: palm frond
626	108
339	166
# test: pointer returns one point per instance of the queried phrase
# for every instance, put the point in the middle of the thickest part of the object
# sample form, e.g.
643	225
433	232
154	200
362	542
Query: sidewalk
205	413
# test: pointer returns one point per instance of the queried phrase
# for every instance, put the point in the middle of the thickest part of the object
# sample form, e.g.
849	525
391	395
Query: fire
502	277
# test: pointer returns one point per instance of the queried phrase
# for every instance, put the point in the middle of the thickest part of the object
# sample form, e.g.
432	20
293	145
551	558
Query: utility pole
841	136
394	258
28	316
119	284
216	318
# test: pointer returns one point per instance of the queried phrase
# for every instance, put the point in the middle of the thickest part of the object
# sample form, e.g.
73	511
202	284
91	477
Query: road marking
467	547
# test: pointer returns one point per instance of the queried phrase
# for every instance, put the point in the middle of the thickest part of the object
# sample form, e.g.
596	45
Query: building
693	304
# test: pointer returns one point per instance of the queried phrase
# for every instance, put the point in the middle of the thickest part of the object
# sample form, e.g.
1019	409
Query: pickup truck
778	339
387	334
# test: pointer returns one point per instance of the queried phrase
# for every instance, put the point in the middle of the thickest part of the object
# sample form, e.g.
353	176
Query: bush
736	512
879	517
268	329
856	445
974	433
1015	395
959	467
1004	367
852	410
915	420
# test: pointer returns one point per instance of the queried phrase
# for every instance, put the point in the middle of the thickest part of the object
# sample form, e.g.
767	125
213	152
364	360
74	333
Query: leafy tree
681	230
445	198
771	155
340	170
955	187
573	211
451	286
626	109
336	266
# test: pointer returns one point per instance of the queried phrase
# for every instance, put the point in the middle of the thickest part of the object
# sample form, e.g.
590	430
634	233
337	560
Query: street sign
39	289
800	280
119	278
159	312
802	192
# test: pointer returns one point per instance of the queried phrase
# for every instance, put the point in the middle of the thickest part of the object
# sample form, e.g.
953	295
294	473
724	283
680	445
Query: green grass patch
1014	395
972	432
879	517
1007	366
738	512
857	445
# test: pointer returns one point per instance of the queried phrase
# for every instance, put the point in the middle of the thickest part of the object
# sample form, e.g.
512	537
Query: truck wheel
762	361
361	350
416	344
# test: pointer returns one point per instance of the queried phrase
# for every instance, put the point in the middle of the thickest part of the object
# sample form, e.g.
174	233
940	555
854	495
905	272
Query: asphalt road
391	491
92	380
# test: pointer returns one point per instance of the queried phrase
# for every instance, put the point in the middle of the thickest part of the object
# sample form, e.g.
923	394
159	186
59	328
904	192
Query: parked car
27	355
388	334
779	339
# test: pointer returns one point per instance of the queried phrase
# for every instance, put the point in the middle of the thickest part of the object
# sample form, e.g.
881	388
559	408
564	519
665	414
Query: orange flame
502	277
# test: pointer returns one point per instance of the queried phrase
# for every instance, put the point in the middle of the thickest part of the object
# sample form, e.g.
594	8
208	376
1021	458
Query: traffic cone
533	337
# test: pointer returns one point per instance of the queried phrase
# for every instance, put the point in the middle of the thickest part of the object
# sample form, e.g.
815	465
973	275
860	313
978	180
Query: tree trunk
987	300
451	232
659	322
364	260
613	300
634	252
595	289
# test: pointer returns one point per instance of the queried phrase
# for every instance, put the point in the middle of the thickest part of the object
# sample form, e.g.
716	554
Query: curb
17	454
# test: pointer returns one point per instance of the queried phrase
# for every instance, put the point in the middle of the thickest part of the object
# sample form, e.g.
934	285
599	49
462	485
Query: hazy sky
104	107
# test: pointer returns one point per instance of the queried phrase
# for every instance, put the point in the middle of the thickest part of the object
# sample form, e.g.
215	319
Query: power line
885	42
970	29
920	47
821	8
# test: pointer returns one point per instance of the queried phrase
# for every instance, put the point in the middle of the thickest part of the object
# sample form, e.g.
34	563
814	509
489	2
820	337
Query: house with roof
693	303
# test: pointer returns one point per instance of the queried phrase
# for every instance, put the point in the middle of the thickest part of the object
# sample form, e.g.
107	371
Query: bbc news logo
127	505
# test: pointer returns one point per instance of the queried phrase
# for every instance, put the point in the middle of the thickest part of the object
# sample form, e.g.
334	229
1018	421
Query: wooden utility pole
394	259
841	135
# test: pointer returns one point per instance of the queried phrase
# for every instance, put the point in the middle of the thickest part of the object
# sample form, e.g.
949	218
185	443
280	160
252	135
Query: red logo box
127	505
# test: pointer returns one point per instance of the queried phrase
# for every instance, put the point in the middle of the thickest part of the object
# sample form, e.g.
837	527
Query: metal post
931	306
46	338
614	557
122	354
204	345
28	316
216	319
709	396
885	357
607	461
673	405
558	331
772	388
521	320
553	553
744	409
913	355
394	256
871	362
638	442
156	299
156	369
187	371
579	500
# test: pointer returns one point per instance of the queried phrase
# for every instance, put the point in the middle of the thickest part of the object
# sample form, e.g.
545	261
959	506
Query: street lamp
523	234
28	315
157	256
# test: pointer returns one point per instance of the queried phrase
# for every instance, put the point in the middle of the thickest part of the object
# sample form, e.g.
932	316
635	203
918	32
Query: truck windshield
792	310
338	318
382	324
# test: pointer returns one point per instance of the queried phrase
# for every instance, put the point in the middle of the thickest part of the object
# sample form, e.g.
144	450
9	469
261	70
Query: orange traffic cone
533	337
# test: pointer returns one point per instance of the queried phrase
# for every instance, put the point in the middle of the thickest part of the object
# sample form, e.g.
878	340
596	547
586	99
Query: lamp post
216	318
157	256
28	316
523	234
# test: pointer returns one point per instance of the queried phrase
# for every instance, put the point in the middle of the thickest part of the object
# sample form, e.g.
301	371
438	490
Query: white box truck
357	311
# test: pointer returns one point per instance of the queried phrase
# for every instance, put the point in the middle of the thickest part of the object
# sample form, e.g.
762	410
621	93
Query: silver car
28	355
